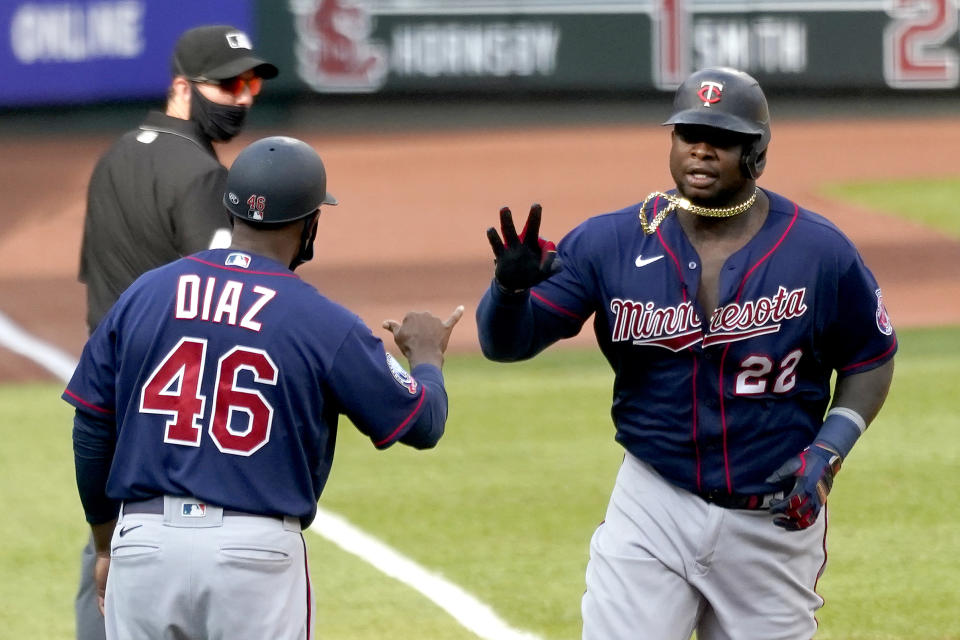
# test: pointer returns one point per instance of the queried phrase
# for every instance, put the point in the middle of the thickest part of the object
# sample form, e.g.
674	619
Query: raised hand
814	469
422	337
522	260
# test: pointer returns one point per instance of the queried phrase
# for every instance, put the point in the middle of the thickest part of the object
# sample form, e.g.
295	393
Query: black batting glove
522	260
814	469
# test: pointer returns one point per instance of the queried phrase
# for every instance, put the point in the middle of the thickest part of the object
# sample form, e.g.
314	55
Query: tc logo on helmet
710	92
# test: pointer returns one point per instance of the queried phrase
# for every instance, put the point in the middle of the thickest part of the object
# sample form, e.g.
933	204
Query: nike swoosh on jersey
125	530
642	262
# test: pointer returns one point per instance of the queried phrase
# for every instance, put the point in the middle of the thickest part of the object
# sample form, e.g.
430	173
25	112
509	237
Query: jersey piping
696	443
726	349
554	306
389	438
234	269
693	359
796	214
306	571
87	404
872	360
673	256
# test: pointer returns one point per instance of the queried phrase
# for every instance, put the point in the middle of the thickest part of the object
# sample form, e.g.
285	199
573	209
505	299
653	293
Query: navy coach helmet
276	180
728	99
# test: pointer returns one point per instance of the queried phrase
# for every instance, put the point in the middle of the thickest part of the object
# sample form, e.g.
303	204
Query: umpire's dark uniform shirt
154	196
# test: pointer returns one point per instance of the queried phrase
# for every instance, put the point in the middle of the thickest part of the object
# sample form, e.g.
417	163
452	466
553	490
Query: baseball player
207	404
155	195
723	310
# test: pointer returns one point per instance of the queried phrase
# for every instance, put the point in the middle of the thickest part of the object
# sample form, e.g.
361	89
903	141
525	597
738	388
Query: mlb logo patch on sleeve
400	375
241	260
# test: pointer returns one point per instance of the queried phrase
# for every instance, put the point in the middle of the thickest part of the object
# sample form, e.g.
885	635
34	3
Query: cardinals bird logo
335	52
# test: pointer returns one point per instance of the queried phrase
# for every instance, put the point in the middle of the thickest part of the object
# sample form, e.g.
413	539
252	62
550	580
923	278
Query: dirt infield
409	233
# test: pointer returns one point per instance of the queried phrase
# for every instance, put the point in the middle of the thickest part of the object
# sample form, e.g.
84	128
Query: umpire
155	195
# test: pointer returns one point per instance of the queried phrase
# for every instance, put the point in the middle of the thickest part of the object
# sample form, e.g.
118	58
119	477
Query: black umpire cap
217	52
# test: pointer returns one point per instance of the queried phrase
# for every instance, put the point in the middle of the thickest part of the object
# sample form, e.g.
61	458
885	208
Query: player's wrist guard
841	430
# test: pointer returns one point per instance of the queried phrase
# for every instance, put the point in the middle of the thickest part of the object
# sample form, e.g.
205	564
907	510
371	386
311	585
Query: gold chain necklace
677	202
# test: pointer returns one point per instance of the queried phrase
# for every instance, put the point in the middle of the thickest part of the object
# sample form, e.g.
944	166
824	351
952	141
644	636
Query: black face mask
307	238
218	122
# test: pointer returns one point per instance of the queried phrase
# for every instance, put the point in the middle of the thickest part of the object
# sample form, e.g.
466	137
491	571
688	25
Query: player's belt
753	502
155	506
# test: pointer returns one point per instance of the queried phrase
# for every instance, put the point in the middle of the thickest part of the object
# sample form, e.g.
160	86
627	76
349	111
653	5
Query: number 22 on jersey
173	389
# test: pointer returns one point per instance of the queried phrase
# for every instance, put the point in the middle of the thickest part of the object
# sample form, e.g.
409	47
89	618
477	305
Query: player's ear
178	96
761	163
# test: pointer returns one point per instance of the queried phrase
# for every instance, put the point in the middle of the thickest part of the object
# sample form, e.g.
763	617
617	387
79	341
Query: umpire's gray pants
90	624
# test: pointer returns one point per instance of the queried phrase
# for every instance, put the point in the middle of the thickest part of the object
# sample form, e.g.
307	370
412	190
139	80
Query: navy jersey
712	401
224	374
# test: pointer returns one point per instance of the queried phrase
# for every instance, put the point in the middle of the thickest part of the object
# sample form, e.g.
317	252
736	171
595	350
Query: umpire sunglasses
235	85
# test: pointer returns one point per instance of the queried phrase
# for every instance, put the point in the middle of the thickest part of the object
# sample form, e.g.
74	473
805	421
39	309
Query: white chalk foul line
44	354
463	607
467	610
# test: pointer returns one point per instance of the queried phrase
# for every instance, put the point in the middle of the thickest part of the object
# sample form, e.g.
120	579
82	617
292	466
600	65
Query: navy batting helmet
276	180
727	99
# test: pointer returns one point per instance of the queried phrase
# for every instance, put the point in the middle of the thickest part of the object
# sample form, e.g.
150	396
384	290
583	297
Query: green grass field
931	202
505	506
